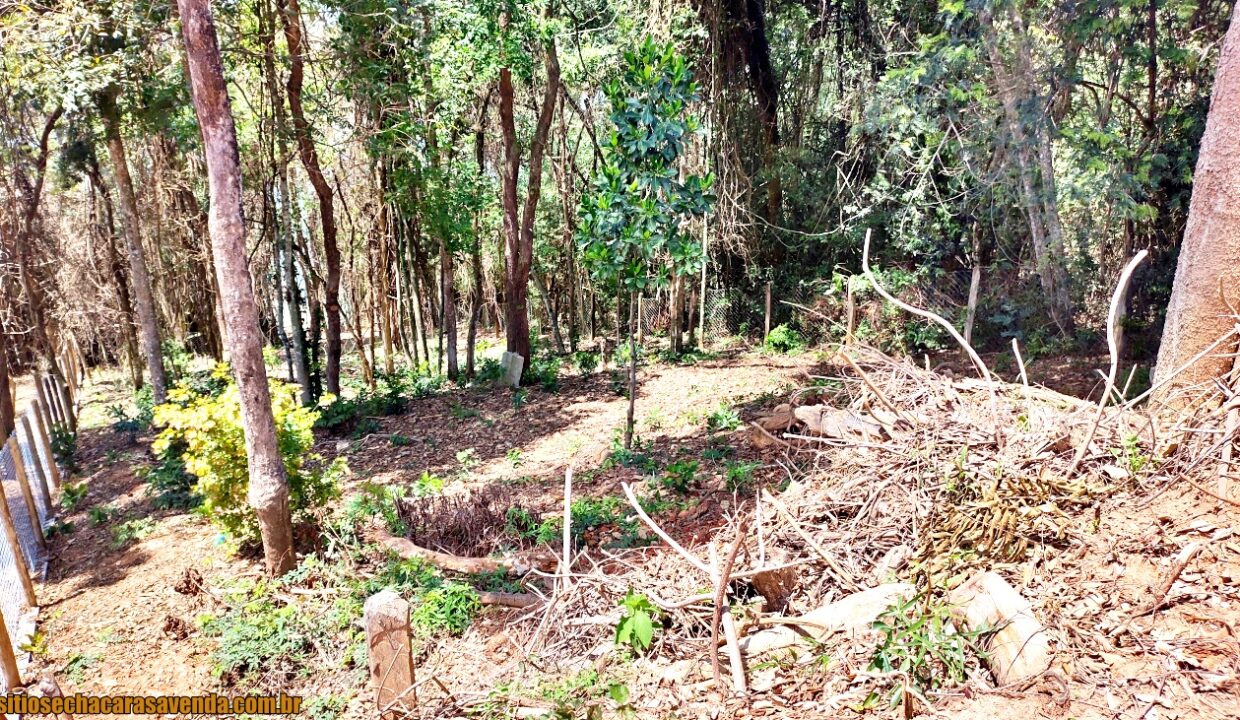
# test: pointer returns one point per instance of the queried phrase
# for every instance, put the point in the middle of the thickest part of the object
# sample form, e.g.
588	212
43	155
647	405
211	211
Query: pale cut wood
42	422
848	614
41	385
389	640
23	481
8	661
40	474
48	687
66	401
1020	648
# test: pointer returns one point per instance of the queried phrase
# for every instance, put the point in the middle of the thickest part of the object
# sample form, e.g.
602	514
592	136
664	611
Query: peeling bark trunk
268	488
1207	278
143	294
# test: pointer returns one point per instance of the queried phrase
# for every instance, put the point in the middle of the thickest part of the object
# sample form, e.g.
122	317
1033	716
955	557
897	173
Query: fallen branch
721	587
517	565
512	600
1182	559
637	507
1112	345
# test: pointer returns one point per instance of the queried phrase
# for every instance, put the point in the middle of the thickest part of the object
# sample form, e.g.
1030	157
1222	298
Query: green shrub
259	636
449	608
376	500
680	475
131	530
490	371
723	419
636	625
64	448
71	494
739	476
785	340
210	430
544	371
920	642
586	361
168	482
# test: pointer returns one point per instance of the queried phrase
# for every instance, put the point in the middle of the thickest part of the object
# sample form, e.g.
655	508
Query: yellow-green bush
209	429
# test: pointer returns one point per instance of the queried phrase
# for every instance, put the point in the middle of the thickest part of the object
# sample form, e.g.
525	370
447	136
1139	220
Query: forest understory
867	474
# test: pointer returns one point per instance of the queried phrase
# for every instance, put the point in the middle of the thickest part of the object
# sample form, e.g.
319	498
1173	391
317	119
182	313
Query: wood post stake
389	639
23	479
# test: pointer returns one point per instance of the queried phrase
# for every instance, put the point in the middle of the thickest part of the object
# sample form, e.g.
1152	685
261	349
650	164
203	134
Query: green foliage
130	531
784	340
680	475
1130	454
374	500
64	448
724	418
632	233
738	476
921	643
427	484
586	361
170	485
636	626
489	371
260	634
448	608
390	396
101	514
210	431
78	665
71	495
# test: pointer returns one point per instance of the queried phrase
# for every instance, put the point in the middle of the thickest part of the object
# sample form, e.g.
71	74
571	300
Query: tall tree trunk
268	489
519	228
133	357
1032	145
143	295
310	159
1207	278
8	416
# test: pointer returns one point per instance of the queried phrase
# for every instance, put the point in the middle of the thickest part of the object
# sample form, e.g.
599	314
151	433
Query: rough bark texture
143	294
519	229
32	191
7	414
310	159
1208	275
268	491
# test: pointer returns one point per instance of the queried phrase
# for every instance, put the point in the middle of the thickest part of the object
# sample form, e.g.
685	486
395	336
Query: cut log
1019	649
835	423
779	420
506	599
389	640
515	565
848	614
777	584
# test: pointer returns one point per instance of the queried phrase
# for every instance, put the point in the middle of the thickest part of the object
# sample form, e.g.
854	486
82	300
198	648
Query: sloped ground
1090	568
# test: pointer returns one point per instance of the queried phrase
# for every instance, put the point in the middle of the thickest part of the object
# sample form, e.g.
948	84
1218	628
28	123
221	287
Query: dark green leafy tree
633	222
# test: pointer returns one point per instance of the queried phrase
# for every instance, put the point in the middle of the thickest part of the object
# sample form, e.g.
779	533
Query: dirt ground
120	617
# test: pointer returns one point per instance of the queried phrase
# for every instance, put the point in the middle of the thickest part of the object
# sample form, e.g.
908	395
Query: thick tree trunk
1207	279
449	308
143	294
268	491
33	192
133	357
310	159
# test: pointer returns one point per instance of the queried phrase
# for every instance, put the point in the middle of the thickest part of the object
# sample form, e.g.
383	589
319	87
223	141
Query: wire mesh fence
25	456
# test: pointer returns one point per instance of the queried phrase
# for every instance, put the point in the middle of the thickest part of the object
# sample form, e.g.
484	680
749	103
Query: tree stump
388	639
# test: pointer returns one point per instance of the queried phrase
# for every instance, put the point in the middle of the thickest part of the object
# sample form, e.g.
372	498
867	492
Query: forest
584	359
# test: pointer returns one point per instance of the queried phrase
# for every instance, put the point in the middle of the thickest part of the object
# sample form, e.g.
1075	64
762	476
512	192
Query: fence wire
19	615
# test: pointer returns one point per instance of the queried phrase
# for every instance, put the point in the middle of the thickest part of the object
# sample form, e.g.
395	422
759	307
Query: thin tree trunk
8	417
144	297
633	323
268	488
310	159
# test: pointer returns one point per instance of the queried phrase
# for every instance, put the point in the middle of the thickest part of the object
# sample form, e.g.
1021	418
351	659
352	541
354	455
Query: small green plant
717	452
100	514
168	482
1130	455
449	608
738	476
513	456
585	361
636	626
77	666
259	634
59	527
680	475
326	707
785	340
64	448
519	397
36	645
377	500
131	531
723	419
399	440
427	484
468	459
71	495
460	412
920	642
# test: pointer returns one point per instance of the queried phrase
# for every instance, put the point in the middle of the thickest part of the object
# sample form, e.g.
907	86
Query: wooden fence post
52	398
389	639
67	400
67	371
19	558
8	660
40	473
42	396
42	420
23	480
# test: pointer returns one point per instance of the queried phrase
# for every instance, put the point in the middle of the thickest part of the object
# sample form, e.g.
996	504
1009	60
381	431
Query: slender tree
140	276
310	159
268	489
